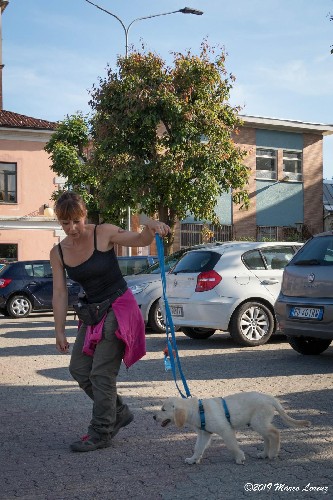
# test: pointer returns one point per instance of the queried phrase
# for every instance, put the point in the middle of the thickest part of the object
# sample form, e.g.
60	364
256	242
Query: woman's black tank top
99	276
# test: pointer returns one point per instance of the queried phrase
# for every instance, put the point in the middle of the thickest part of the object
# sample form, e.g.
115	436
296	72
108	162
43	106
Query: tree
162	137
69	153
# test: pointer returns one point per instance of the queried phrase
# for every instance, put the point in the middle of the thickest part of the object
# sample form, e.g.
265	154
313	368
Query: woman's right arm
59	300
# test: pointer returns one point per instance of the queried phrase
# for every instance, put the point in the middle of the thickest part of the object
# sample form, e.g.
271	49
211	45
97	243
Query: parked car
304	307
133	264
26	286
147	289
231	287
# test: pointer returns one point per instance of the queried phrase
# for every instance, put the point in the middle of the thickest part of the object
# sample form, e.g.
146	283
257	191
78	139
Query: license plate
306	313
176	310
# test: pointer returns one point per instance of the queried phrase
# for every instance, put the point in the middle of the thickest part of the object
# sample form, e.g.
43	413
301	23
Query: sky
54	51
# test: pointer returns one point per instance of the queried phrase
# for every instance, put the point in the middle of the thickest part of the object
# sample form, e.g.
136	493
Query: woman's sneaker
91	443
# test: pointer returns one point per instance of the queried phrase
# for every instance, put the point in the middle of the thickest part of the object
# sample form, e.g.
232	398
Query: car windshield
169	262
316	252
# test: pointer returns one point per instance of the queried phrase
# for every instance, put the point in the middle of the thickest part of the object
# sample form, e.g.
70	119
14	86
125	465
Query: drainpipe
3	5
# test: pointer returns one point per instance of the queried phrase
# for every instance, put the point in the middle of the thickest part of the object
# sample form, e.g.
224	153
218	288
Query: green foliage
146	128
69	149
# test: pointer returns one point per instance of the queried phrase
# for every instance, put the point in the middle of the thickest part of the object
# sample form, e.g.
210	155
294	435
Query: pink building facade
26	184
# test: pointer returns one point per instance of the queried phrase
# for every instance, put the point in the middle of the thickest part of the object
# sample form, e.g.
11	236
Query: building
285	186
28	229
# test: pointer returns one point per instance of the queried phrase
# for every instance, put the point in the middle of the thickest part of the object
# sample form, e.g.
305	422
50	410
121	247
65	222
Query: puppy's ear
180	417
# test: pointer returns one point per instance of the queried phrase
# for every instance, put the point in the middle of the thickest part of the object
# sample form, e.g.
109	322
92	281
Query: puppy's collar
226	410
202	413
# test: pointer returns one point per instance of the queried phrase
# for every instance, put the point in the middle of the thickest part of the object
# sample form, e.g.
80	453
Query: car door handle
270	282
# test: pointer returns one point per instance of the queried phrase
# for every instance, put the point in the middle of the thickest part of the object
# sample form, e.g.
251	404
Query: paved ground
42	411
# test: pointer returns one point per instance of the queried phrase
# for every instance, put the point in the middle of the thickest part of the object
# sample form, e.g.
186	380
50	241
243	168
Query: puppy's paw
262	454
192	460
240	458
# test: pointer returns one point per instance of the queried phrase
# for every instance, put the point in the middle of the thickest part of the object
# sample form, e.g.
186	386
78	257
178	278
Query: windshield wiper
309	262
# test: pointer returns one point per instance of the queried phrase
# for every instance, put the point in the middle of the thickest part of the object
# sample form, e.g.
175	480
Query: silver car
147	289
231	287
304	307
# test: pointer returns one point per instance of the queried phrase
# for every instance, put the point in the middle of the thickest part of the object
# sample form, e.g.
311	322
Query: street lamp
185	10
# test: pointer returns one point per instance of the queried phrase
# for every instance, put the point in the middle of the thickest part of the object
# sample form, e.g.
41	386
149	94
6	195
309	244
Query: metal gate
198	233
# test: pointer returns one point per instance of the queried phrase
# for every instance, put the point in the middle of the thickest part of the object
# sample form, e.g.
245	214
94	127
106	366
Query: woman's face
73	228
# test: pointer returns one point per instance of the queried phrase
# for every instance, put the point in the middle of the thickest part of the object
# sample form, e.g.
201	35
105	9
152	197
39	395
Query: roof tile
15	120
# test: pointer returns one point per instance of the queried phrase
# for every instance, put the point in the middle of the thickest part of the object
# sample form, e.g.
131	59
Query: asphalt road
43	411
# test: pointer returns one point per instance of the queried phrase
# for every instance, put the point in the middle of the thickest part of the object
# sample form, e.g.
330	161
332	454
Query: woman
87	255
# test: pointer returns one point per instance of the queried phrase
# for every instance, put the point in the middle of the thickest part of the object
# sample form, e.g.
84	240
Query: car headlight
138	288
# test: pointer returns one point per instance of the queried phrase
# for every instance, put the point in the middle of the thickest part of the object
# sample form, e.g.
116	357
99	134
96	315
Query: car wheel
198	333
309	345
155	318
252	324
19	306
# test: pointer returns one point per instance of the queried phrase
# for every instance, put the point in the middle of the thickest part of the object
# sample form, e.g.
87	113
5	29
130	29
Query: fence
198	233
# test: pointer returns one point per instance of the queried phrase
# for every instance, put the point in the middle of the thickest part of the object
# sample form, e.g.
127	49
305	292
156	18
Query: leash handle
170	329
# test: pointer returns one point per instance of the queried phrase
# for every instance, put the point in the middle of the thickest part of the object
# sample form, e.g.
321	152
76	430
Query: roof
286	125
328	194
14	120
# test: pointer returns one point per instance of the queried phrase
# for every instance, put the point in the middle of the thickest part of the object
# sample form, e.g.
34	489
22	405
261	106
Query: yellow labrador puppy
225	415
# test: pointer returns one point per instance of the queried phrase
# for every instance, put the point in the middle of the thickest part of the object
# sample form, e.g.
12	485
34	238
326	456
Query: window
253	260
292	165
277	257
266	164
8	183
8	252
318	251
197	262
39	270
267	233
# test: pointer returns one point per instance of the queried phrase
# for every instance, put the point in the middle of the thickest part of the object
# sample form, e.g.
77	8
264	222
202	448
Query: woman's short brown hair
70	206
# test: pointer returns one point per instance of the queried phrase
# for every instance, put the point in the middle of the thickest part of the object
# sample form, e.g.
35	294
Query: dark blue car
27	286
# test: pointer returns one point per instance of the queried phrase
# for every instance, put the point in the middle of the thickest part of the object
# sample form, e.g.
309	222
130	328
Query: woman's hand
61	343
158	227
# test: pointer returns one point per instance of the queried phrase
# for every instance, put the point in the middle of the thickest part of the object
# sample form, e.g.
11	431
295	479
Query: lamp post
185	10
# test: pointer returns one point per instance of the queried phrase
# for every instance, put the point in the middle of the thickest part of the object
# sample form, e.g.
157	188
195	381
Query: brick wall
313	182
245	220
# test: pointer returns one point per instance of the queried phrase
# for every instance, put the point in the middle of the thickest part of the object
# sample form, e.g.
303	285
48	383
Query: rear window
197	262
12	270
317	251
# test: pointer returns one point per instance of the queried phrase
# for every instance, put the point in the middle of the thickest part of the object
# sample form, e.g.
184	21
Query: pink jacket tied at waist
131	329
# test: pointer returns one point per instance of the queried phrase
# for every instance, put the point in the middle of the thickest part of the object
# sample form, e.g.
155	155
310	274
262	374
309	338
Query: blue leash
170	329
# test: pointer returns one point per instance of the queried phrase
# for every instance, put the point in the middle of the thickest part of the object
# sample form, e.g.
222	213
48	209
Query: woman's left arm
143	239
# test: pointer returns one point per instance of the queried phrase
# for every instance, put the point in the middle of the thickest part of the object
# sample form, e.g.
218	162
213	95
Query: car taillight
4	282
207	281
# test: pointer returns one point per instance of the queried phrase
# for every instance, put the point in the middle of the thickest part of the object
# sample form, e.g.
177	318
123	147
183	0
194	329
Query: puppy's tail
292	422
